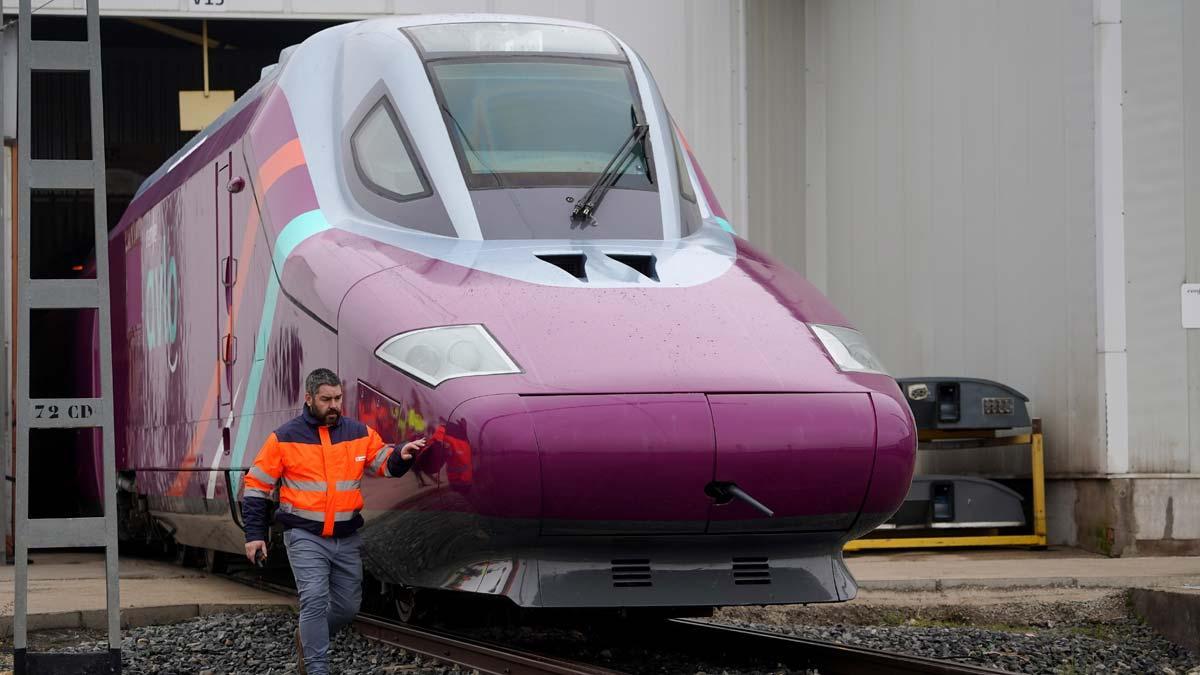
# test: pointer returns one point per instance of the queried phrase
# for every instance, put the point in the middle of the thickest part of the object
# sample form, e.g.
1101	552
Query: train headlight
434	355
848	348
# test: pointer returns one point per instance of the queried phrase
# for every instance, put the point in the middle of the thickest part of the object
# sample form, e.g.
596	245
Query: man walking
318	460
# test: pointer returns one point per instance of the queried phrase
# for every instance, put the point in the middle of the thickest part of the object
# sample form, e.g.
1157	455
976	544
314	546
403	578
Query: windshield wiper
586	206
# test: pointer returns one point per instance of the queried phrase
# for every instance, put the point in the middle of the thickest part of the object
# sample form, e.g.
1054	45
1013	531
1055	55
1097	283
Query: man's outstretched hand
410	450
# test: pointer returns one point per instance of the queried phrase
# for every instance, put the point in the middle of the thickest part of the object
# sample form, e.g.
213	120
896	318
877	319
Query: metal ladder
63	294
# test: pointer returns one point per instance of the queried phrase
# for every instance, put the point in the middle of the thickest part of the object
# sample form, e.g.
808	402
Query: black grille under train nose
571	263
756	571
631	573
642	264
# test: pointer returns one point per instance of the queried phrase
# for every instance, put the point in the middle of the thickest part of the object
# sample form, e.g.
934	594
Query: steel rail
829	658
482	656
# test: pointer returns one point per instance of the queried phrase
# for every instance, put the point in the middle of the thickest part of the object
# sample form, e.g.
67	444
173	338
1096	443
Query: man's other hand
410	449
253	548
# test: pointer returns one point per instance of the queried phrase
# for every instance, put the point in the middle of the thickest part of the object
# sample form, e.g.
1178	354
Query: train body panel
642	361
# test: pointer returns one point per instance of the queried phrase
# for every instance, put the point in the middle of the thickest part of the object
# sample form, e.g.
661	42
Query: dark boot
300	654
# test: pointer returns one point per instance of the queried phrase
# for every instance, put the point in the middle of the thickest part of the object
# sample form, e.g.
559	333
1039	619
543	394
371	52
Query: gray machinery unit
943	502
961	403
956	413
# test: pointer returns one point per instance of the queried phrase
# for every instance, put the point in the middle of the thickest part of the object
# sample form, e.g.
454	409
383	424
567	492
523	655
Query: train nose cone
640	464
807	457
623	464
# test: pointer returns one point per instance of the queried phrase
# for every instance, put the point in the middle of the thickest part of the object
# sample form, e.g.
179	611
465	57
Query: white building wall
694	49
1162	224
776	128
958	190
1191	205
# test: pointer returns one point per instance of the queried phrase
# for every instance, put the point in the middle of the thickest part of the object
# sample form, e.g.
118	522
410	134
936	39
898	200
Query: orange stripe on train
286	158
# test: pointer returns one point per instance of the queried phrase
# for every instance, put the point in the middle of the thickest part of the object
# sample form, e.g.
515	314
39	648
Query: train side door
227	189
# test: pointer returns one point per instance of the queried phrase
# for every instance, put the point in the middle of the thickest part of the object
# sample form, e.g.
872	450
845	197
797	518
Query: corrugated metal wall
1191	191
958	194
775	128
693	48
1162	230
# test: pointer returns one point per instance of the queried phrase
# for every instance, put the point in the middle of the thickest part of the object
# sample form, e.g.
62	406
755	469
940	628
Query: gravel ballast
1117	649
1034	632
225	644
1017	630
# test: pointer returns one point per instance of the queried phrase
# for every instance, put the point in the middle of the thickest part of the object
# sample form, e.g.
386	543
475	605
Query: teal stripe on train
300	228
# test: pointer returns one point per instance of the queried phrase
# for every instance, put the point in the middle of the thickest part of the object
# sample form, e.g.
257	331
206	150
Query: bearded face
326	405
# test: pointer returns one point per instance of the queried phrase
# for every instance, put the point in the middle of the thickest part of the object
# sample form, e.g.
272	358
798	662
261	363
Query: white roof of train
328	78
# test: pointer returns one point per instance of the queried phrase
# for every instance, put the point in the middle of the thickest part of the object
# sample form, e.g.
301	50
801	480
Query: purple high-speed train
491	229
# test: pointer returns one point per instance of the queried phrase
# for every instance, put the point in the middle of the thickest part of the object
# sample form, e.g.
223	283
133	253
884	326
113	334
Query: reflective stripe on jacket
318	470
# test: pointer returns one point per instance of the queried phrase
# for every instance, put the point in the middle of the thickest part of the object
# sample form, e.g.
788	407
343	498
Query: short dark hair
318	377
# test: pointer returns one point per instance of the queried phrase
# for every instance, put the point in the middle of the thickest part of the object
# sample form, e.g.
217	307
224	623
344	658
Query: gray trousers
329	578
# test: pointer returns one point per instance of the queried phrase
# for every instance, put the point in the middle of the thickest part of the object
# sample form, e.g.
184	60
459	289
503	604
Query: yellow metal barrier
1036	539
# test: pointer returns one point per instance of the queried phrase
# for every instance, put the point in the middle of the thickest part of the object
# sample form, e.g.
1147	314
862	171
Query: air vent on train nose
631	573
751	571
643	264
571	263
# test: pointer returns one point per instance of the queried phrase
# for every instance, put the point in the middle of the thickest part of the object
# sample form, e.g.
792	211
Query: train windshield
536	114
539	123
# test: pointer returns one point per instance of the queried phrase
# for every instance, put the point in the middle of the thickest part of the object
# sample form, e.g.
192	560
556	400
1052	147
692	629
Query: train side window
685	181
383	156
689	206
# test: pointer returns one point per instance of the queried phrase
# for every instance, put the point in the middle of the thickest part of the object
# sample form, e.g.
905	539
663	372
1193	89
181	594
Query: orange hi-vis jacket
318	470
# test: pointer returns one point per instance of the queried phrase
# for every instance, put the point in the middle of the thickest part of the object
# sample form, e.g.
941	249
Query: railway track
827	658
686	635
482	656
694	638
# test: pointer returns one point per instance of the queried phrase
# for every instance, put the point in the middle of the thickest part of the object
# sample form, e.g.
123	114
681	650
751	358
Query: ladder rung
66	533
61	174
65	413
60	55
63	293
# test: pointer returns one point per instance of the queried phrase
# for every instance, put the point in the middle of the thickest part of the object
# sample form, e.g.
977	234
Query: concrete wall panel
1165	509
1060	511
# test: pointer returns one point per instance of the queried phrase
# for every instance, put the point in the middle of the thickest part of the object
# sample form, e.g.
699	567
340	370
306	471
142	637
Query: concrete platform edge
909	585
133	617
1174	614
